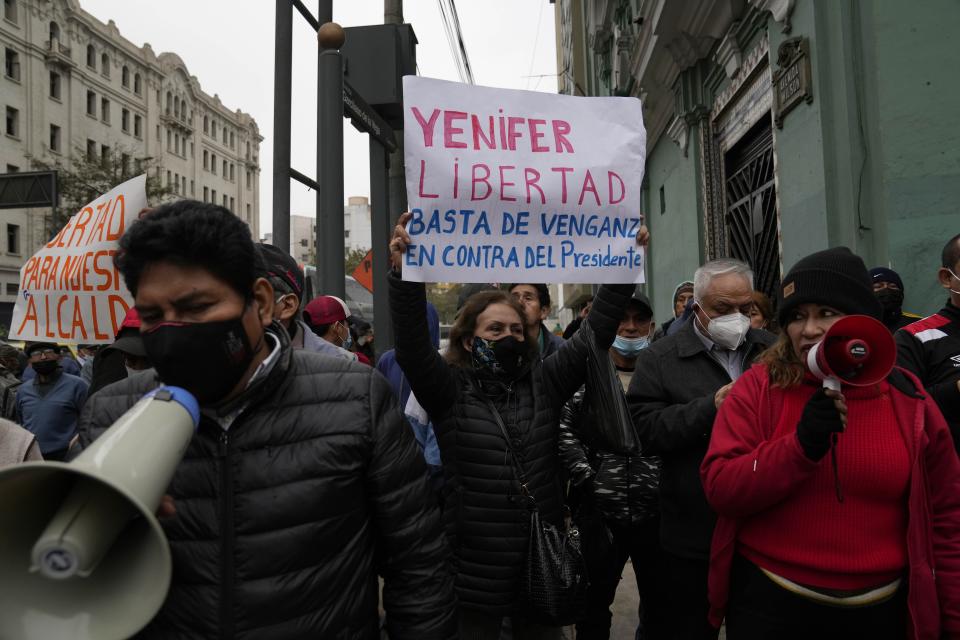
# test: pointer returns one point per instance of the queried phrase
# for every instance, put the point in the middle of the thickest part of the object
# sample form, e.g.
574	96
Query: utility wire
533	54
454	52
463	49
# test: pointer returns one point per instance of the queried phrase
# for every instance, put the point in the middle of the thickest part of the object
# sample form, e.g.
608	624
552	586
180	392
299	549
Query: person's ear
544	312
945	277
466	342
286	308
263	300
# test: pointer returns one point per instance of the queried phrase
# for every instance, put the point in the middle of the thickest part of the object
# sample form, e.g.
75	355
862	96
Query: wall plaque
792	80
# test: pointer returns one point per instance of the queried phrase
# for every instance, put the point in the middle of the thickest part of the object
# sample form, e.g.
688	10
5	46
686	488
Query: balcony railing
57	52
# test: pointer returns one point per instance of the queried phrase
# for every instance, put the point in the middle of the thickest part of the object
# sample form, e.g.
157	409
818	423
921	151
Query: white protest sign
503	183
70	291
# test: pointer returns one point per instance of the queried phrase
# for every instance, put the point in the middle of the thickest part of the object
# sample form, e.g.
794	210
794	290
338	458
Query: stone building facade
776	128
74	86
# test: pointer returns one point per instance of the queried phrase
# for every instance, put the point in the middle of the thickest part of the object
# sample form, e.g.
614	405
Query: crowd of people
332	493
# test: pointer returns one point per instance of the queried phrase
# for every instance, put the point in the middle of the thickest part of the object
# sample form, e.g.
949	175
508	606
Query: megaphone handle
832	383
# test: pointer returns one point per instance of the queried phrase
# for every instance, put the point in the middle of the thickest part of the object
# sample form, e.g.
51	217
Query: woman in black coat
491	365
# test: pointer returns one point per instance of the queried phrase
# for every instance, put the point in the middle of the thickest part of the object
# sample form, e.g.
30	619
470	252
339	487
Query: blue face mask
348	341
630	347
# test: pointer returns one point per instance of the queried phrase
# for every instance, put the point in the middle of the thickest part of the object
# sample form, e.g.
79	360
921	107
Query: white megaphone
81	554
856	350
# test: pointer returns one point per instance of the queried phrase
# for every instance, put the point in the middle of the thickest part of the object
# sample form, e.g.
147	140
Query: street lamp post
330	250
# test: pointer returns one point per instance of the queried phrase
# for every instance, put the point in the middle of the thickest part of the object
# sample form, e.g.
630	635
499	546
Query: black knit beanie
835	277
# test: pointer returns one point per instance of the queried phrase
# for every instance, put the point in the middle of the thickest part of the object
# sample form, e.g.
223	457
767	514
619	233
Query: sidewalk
624	608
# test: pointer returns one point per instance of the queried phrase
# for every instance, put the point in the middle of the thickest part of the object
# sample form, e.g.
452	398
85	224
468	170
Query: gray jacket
313	342
17	444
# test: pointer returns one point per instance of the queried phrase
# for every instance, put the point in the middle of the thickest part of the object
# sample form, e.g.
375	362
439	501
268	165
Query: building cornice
162	66
780	9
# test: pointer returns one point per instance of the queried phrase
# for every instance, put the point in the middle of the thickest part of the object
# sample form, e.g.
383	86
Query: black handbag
553	582
605	401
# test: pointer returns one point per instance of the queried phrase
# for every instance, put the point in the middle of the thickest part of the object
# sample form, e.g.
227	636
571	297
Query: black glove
820	420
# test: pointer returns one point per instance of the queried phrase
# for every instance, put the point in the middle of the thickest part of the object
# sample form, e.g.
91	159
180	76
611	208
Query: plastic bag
609	414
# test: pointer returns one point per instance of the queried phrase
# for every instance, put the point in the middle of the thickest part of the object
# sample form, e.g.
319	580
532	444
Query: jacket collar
950	311
311	341
266	386
689	344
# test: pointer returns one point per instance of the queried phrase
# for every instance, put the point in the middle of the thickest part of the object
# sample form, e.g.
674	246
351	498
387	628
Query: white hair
703	276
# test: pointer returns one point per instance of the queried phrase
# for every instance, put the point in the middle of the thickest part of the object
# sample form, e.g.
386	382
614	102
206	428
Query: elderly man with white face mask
678	384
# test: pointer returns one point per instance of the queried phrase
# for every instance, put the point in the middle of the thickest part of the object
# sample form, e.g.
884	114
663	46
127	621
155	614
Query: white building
303	239
356	224
73	85
356	231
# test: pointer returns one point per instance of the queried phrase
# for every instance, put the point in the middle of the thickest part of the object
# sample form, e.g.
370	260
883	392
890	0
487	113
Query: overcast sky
228	45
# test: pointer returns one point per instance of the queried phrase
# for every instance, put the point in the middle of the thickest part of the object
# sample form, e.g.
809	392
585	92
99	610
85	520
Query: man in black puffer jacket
302	484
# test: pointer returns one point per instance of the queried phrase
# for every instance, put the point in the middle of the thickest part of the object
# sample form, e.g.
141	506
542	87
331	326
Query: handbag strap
521	475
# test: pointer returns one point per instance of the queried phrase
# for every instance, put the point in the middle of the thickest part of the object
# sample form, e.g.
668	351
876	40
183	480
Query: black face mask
892	301
504	357
207	359
45	367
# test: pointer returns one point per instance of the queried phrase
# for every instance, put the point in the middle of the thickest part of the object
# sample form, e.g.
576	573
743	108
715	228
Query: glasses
525	298
43	353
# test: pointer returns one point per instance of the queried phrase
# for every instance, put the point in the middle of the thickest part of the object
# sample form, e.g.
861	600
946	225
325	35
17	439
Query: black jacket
930	349
486	520
284	521
671	399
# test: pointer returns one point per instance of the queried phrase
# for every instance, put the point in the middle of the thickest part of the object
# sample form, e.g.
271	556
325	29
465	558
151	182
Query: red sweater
749	471
810	537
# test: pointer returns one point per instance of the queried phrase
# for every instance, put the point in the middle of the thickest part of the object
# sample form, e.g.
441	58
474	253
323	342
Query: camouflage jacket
624	488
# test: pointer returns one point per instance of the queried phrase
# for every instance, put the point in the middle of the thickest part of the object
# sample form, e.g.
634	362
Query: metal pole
392	11
282	85
330	251
393	14
380	223
325	11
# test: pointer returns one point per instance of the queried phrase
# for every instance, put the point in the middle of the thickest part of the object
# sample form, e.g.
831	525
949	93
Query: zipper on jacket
226	536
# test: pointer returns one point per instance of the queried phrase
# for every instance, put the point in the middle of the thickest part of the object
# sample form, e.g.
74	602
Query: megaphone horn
83	556
856	350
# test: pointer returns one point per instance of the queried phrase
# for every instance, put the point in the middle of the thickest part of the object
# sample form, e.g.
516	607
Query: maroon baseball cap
325	310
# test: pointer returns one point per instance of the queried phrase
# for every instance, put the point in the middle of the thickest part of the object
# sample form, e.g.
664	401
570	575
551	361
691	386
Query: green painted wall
874	162
911	77
813	149
675	245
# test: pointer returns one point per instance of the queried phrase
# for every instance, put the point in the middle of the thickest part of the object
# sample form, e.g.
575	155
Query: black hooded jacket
285	520
485	518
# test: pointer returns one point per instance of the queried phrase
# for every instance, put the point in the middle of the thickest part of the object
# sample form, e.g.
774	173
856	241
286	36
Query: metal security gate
751	206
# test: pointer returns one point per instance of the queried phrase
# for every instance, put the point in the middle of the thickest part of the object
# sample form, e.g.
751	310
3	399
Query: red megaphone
856	350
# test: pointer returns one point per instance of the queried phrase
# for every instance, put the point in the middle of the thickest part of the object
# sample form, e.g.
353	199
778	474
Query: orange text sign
70	291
